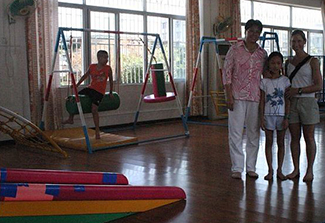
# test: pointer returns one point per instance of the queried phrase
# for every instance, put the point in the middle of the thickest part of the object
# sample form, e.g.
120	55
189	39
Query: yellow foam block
44	208
74	138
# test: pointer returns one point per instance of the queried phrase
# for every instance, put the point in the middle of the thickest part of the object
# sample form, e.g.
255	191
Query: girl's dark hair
275	54
253	22
299	32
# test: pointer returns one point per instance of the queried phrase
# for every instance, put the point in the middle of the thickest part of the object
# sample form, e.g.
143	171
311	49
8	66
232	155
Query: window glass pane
72	1
316	43
179	41
243	31
131	49
306	18
175	7
321	62
70	17
283	42
307	43
268	43
103	41
161	26
122	4
271	14
245	10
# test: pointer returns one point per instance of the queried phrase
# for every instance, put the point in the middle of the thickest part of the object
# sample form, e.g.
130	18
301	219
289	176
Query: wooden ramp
26	133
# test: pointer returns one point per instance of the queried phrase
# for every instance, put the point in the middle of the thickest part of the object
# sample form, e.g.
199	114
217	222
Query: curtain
230	8
41	34
192	49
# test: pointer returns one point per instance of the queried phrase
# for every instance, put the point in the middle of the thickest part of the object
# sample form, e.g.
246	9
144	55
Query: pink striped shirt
243	71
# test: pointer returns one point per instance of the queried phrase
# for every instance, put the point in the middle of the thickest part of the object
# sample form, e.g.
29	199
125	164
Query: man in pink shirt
243	68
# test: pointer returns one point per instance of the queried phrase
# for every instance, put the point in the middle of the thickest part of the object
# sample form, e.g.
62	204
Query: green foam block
158	80
106	104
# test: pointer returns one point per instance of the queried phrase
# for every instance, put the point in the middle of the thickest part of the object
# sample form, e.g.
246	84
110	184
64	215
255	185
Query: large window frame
88	55
309	32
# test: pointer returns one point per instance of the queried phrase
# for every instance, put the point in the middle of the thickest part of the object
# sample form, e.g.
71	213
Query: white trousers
245	113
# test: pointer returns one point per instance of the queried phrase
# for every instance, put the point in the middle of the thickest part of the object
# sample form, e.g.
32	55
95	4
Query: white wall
13	63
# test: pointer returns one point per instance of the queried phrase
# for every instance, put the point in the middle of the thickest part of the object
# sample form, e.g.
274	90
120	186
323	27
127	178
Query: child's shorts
304	111
273	122
94	95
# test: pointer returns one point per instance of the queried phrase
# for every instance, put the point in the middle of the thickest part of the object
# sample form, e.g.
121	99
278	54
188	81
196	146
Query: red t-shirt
98	78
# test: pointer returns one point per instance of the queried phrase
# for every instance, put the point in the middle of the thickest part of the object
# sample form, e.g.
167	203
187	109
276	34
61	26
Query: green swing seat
106	104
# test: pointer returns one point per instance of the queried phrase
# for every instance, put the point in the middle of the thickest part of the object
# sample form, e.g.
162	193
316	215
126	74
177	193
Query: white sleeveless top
303	78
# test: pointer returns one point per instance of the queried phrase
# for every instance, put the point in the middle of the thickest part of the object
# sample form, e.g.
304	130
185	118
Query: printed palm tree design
275	99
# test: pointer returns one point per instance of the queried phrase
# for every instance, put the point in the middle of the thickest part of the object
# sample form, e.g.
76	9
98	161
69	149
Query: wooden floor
200	165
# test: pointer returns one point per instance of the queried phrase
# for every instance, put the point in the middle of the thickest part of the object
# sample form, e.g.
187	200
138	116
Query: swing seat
152	99
158	85
106	104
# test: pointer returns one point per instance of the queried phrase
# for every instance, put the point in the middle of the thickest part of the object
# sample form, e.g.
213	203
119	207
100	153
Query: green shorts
304	111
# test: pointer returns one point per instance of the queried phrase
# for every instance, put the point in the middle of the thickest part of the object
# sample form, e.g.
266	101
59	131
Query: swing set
219	96
81	104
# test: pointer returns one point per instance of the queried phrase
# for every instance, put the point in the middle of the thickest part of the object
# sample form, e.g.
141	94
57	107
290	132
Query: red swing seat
158	85
152	99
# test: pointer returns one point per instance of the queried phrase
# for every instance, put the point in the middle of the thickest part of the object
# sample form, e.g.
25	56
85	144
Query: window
283	36
271	14
179	42
70	17
315	42
128	53
306	18
131	47
72	1
276	18
176	7
161	26
103	41
268	45
243	31
120	4
245	10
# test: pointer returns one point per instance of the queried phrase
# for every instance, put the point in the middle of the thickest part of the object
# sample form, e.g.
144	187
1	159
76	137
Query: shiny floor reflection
200	165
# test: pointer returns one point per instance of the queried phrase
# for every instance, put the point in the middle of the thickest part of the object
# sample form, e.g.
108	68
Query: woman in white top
304	111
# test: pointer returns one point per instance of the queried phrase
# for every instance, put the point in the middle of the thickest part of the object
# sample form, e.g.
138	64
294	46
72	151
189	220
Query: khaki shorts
304	111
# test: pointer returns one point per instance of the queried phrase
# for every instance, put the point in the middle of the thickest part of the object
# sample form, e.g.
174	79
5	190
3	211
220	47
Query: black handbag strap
294	72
